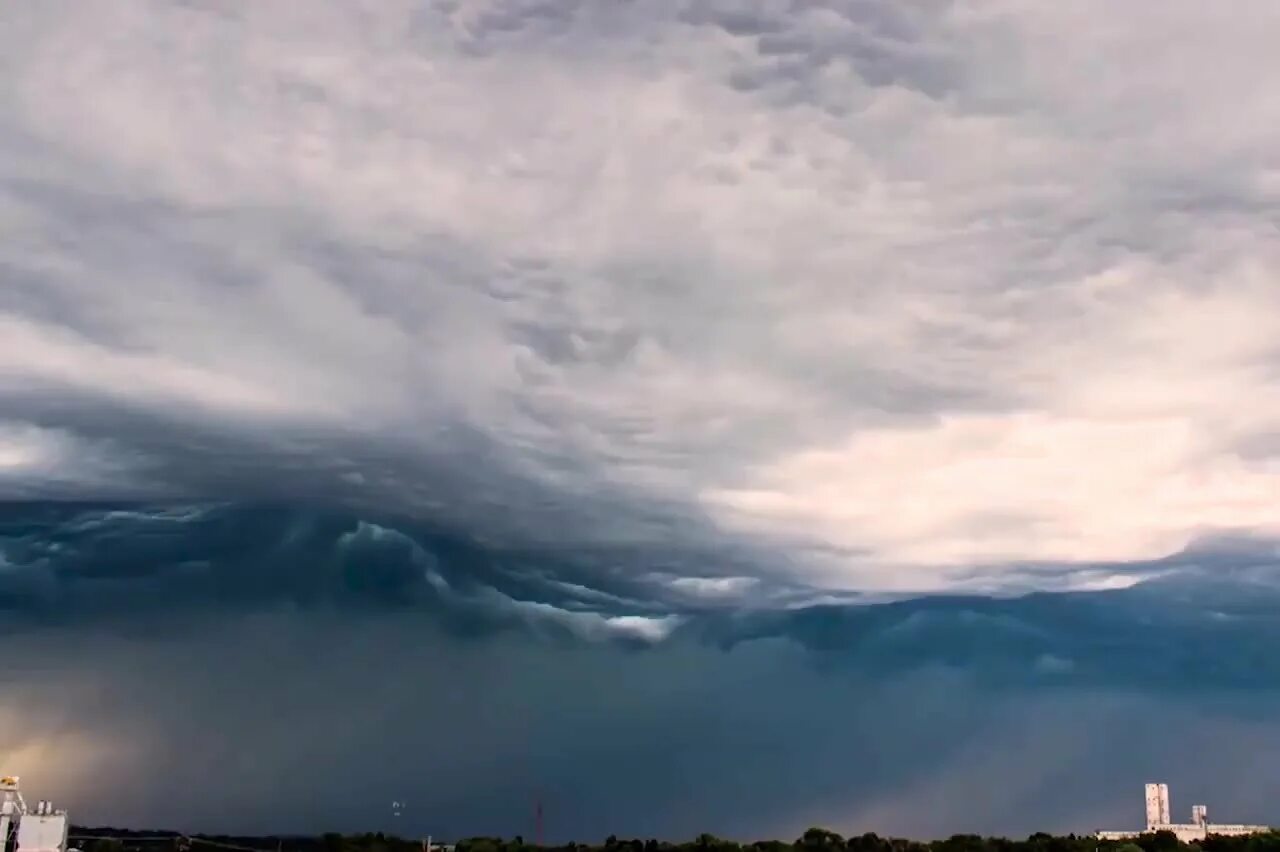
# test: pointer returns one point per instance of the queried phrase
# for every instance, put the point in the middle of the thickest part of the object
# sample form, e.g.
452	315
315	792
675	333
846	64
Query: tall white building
1159	819
1157	805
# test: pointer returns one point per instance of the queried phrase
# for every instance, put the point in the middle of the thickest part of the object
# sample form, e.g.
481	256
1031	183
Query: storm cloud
284	651
712	415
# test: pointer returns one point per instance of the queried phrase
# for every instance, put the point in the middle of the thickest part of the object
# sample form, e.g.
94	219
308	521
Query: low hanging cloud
227	664
260	721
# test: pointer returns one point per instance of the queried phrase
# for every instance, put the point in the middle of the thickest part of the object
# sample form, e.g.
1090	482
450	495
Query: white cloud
713	588
44	356
21	449
920	286
41	461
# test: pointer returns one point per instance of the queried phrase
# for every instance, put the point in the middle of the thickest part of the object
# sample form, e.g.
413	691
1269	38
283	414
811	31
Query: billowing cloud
893	289
1204	615
281	648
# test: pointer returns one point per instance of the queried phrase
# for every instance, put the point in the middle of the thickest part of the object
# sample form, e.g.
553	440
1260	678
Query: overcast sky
637	370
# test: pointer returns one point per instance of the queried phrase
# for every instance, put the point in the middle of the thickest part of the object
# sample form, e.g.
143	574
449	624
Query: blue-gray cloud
284	646
1207	617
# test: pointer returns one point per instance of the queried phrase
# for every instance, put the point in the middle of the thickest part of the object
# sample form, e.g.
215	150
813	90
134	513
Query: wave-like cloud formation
851	294
171	647
1205	618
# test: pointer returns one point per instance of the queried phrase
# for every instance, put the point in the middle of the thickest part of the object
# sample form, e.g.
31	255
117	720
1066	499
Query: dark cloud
84	561
682	740
274	719
1208	617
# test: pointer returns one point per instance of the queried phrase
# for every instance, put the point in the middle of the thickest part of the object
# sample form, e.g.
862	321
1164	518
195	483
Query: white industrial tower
1157	806
1159	819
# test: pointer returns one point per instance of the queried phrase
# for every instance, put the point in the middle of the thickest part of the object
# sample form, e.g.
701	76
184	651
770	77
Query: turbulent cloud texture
513	385
892	287
239	664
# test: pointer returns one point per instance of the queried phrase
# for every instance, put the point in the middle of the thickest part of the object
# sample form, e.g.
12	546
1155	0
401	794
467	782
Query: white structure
1158	805
43	829
1158	819
11	808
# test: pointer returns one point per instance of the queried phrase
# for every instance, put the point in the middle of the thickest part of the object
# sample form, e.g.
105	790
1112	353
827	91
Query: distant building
43	829
1158	805
1159	819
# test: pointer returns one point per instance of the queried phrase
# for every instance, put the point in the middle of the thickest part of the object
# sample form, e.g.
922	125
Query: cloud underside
260	722
857	294
1203	617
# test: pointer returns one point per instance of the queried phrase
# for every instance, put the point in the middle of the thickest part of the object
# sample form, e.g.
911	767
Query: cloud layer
874	291
286	648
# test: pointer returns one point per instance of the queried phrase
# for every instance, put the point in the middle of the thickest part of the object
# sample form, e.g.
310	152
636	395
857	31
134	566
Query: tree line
813	840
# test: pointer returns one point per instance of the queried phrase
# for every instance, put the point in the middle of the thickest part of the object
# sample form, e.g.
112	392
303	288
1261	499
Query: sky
694	416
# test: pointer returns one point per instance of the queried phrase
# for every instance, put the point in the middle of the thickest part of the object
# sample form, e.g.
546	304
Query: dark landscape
813	840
